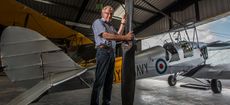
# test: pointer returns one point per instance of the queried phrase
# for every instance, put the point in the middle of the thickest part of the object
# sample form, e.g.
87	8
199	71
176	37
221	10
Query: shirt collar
105	21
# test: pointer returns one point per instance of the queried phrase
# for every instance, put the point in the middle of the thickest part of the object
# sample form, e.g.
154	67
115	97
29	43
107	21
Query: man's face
107	14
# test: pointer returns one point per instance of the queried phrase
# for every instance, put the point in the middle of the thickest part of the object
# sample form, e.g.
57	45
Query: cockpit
179	50
187	48
171	49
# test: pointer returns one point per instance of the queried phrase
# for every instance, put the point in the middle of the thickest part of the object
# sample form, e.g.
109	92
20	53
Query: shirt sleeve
98	28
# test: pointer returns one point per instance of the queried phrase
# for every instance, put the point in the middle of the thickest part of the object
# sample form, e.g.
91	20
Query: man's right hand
129	36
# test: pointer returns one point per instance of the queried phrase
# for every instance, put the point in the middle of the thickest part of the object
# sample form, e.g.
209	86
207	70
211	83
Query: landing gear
172	80
216	86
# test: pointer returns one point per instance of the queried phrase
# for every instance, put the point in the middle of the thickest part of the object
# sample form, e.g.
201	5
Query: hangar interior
78	15
147	21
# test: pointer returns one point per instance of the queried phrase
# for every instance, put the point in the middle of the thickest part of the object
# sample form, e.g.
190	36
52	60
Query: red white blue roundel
161	66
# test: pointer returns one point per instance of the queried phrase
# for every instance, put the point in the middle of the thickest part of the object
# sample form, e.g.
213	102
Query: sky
218	30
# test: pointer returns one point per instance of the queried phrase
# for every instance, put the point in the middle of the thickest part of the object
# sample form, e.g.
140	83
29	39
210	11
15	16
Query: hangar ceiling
79	14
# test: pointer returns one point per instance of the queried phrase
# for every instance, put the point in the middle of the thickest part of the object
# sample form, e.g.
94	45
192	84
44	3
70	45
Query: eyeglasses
108	13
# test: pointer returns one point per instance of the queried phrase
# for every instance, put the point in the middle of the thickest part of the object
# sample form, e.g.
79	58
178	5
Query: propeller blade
128	76
128	67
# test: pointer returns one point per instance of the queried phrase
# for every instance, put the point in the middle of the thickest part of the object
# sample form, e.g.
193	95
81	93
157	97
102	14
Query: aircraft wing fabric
27	54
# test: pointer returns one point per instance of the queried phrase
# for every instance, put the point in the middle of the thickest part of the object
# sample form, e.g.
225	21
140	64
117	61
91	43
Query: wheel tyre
172	80
216	86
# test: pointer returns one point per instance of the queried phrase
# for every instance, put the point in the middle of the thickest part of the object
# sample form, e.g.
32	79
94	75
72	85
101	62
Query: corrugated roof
69	10
85	11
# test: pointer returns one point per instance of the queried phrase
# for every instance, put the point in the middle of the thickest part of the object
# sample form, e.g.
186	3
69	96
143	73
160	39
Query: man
105	39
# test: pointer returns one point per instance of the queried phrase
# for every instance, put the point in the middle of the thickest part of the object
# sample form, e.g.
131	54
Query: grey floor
150	91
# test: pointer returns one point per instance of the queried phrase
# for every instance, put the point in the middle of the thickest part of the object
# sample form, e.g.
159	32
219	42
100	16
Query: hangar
79	15
53	17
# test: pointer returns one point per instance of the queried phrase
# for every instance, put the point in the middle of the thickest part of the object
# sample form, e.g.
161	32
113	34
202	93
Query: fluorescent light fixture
45	1
77	24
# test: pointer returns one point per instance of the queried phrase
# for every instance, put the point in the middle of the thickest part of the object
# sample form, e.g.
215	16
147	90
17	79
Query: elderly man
105	38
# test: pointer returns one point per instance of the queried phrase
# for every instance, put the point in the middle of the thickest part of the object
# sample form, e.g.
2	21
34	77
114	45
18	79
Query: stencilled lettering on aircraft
143	68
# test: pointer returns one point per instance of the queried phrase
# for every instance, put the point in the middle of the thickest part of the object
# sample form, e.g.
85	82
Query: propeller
128	67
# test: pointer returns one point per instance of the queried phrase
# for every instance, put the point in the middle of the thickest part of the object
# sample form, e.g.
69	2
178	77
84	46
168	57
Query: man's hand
129	36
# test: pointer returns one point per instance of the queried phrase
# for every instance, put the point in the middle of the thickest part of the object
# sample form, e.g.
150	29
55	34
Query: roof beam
144	9
82	9
175	6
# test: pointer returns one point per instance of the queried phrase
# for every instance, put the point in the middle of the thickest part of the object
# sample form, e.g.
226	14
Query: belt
104	46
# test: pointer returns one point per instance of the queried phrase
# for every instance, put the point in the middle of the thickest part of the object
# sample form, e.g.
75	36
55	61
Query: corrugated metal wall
139	14
185	16
212	8
158	27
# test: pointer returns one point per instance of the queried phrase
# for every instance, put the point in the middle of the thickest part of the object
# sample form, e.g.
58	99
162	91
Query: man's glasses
108	13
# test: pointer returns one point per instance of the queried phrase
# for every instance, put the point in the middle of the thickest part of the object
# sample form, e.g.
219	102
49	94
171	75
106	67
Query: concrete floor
8	90
157	92
150	91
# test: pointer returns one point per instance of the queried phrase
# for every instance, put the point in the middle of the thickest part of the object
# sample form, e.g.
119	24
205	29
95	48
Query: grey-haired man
105	39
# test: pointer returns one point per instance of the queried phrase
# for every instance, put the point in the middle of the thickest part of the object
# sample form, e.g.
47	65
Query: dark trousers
103	76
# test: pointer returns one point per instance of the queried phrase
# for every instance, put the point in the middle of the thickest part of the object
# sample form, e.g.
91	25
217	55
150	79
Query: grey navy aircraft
178	57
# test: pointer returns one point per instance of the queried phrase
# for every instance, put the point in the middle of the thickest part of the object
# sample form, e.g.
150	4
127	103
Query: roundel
161	66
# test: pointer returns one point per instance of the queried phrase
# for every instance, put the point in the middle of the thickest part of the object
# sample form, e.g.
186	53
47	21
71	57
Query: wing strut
128	68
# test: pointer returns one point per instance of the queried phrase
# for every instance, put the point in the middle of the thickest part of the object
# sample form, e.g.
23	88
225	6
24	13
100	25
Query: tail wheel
216	86
172	80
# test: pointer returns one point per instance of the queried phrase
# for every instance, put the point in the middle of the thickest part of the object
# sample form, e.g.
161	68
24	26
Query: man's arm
109	36
119	37
122	25
121	29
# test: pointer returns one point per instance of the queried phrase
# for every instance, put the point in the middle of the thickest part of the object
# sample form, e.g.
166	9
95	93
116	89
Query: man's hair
107	7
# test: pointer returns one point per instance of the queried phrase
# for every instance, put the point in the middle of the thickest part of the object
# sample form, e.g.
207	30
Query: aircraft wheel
216	86
172	80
